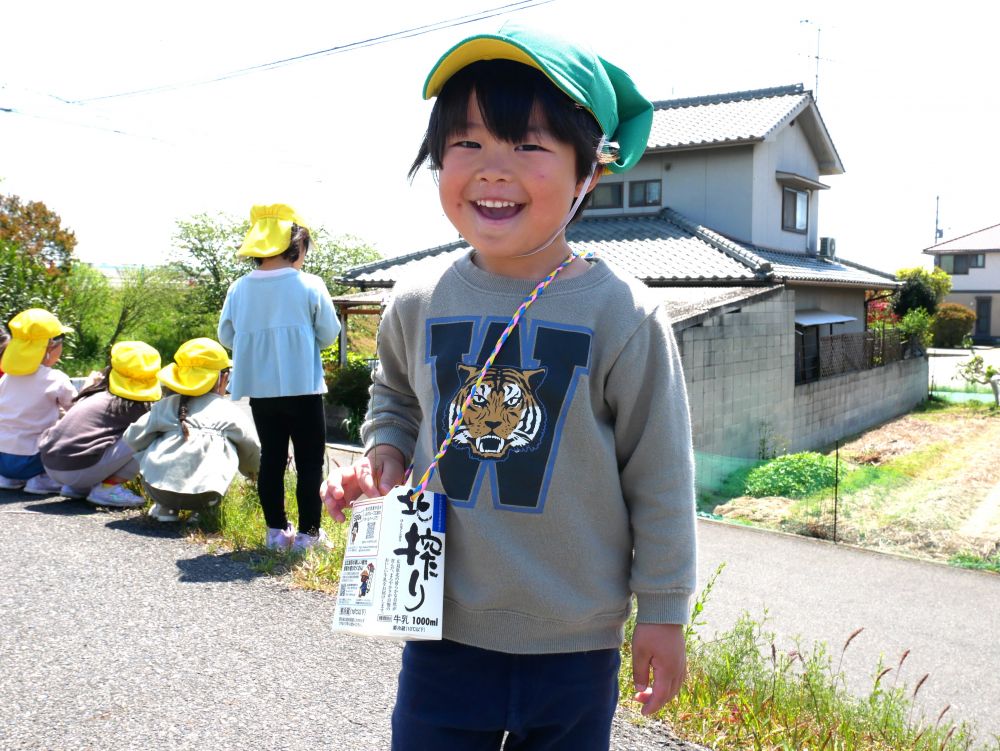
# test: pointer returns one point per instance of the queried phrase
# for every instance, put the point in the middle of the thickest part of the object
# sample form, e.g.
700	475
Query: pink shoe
280	539
303	542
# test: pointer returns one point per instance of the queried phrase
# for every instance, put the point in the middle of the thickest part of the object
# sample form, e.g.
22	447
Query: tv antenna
816	57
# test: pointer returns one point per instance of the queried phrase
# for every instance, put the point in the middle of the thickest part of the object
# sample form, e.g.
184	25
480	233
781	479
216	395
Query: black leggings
300	418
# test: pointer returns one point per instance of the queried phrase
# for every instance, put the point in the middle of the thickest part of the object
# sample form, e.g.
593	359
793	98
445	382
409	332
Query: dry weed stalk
881	675
943	711
920	683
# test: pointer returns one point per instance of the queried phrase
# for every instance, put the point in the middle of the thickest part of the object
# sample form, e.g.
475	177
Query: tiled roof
662	250
739	117
794	267
982	240
691	305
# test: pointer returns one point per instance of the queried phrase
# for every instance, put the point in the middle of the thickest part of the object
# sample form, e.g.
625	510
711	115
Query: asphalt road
118	633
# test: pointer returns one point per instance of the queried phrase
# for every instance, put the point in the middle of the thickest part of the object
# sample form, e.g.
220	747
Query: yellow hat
270	230
30	332
196	367
133	372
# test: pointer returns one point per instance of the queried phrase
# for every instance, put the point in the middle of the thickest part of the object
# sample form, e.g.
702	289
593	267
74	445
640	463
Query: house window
794	210
606	196
644	193
962	262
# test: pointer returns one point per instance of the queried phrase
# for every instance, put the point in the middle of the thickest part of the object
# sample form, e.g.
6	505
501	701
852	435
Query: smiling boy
570	472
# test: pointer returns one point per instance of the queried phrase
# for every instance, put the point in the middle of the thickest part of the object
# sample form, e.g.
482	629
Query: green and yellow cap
603	89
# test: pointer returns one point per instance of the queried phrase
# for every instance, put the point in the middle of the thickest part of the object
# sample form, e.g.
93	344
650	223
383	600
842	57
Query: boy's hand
657	647
374	475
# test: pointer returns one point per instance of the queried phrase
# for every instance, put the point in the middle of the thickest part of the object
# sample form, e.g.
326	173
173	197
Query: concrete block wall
739	369
838	407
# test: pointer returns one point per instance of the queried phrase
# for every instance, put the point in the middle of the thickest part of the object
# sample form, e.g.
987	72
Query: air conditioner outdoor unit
827	247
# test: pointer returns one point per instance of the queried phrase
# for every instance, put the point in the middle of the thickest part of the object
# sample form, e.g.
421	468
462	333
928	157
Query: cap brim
473	49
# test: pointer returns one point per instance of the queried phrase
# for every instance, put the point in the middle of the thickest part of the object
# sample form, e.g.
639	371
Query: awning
799	182
817	317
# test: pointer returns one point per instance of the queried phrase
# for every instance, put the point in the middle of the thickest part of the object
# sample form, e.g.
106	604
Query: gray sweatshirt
571	479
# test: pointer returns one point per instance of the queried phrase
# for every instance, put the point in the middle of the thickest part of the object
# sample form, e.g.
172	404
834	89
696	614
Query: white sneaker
114	495
280	539
163	514
69	492
9	483
42	485
303	542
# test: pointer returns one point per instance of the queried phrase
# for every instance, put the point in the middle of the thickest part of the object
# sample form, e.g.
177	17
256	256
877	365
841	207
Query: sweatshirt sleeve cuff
393	436
663	607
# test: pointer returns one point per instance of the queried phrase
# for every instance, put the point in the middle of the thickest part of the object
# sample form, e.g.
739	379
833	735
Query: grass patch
237	524
968	388
976	562
743	692
934	405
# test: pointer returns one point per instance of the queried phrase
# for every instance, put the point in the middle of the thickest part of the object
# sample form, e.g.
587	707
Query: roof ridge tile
732	96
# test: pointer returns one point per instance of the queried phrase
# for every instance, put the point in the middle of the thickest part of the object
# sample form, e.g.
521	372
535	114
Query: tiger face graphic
503	416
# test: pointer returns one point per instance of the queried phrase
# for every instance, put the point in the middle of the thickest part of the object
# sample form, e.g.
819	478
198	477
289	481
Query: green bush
952	323
916	326
792	475
348	386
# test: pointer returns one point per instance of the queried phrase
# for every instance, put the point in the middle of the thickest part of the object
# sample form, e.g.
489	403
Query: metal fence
849	353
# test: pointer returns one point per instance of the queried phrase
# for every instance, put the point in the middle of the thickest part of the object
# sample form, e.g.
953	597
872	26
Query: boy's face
506	199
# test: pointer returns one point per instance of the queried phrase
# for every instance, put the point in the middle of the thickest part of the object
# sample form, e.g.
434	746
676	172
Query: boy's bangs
508	94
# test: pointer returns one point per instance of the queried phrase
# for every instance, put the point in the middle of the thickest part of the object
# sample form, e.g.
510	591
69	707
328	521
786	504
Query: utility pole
938	232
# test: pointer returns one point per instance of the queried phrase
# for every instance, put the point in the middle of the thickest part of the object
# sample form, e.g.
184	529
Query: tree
205	253
24	283
330	257
88	306
937	279
976	371
37	231
916	292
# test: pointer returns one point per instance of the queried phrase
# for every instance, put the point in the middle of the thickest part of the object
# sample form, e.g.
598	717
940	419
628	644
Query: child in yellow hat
193	442
84	452
276	320
32	396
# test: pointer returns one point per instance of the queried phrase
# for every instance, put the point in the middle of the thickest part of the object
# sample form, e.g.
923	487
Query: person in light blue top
276	319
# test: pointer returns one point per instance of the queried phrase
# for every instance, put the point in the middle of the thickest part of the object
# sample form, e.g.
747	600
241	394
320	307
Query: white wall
979	280
787	151
843	300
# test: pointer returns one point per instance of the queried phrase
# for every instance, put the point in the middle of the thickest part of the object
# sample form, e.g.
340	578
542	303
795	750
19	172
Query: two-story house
719	219
973	261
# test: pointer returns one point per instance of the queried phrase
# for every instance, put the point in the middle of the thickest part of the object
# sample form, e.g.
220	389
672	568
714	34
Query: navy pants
301	419
459	698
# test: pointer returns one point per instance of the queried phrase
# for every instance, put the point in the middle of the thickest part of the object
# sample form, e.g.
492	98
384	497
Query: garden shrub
792	475
952	323
348	386
915	293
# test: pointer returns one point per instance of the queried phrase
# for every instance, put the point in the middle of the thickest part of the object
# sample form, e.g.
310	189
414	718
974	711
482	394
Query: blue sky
909	98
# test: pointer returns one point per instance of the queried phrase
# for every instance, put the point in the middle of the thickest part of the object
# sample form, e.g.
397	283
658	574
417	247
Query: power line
371	42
